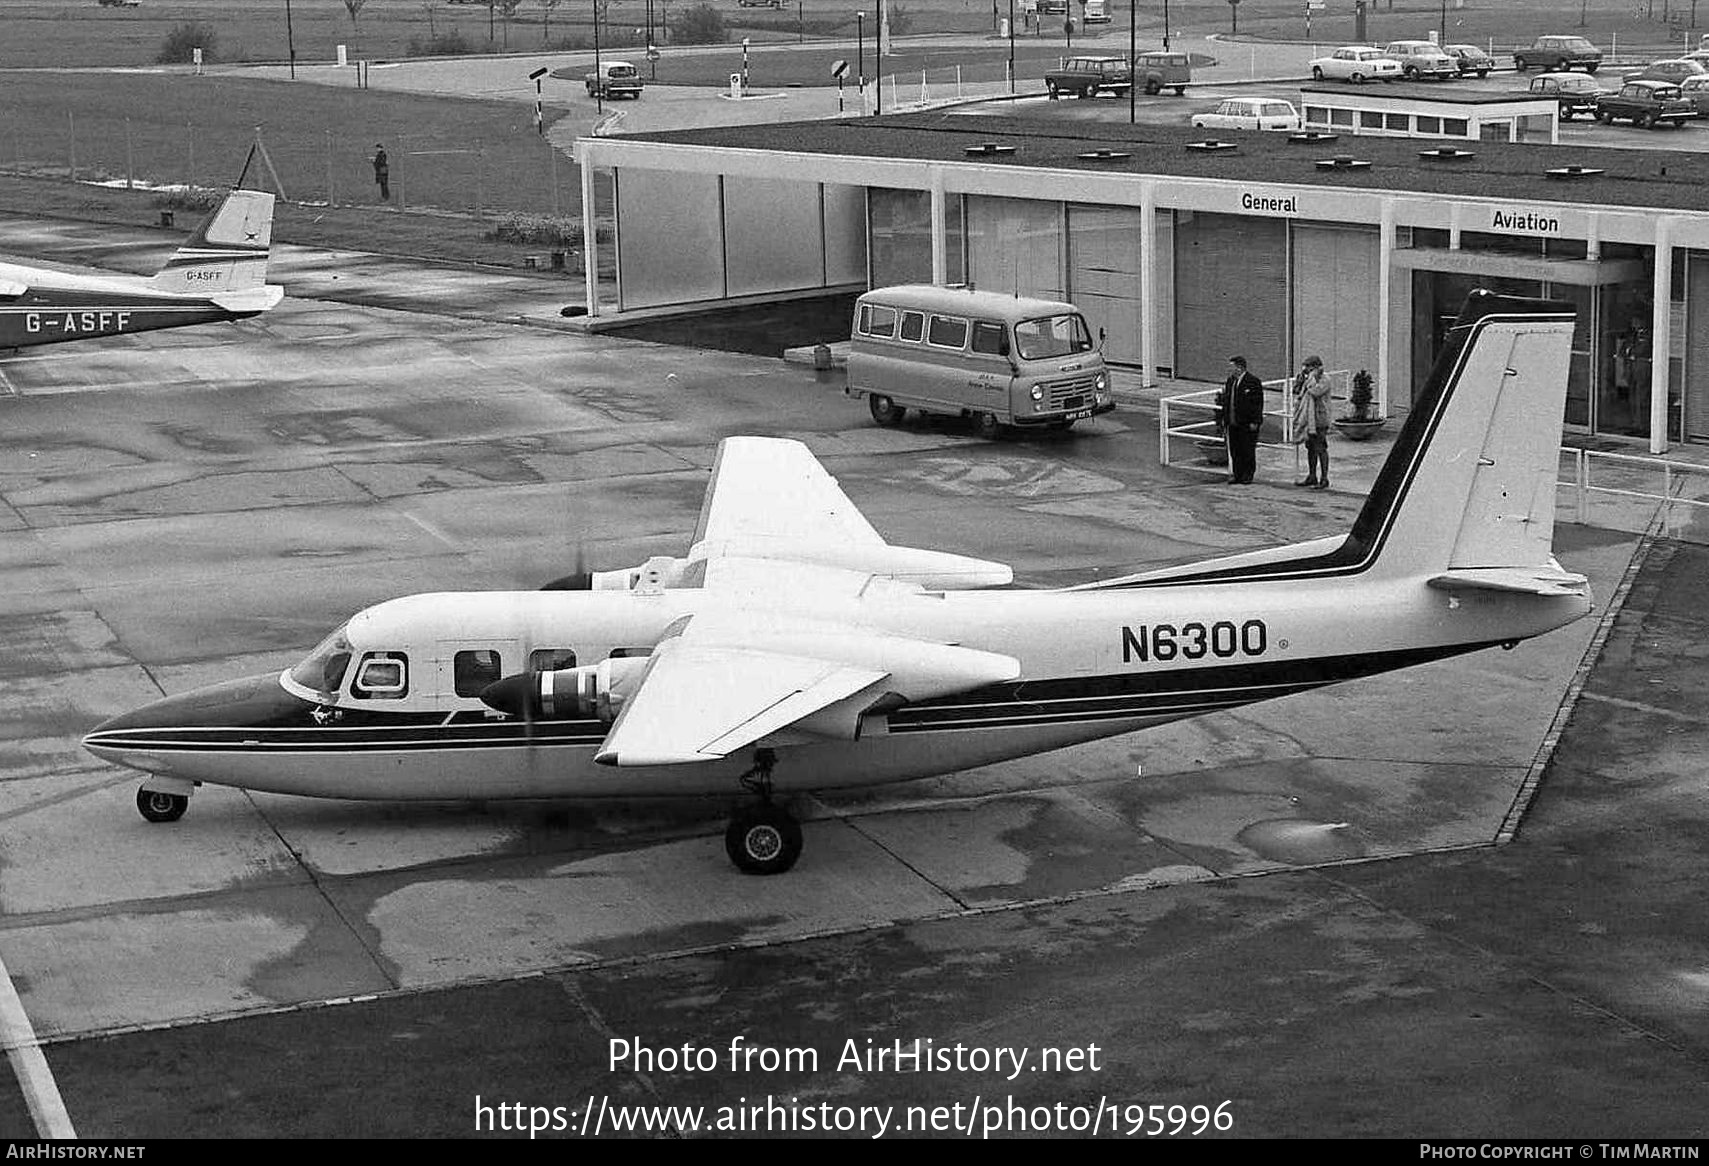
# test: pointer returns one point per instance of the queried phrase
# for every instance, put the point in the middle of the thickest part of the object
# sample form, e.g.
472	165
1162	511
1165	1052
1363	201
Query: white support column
1661	335
1593	237
590	252
1456	210
1385	277
940	249
1148	373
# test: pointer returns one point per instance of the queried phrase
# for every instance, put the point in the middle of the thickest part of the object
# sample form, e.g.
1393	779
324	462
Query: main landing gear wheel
884	410
762	838
161	807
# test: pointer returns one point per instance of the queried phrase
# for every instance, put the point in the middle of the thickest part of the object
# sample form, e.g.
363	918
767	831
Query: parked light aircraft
220	273
793	648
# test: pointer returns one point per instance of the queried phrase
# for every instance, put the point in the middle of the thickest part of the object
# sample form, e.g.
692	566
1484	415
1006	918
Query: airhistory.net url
980	1119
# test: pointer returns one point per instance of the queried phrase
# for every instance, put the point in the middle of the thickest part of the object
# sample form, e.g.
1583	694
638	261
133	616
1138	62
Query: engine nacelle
596	691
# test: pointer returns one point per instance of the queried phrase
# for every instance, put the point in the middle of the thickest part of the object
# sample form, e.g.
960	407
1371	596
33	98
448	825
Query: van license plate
1077	415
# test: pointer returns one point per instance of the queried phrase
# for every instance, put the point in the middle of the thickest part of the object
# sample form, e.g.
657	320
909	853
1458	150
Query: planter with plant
1361	420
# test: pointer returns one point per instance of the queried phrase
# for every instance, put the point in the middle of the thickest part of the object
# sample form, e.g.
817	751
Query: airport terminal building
1183	250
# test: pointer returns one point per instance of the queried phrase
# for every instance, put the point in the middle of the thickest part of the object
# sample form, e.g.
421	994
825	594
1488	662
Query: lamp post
290	41
1132	59
878	64
598	78
1165	23
860	59
1011	46
1442	34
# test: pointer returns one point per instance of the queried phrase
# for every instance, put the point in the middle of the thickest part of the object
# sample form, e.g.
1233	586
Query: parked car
1696	91
613	80
1577	92
1421	58
1249	113
1095	12
1558	54
1089	76
1675	70
1646	104
1157	70
1355	63
1470	59
1053	7
759	3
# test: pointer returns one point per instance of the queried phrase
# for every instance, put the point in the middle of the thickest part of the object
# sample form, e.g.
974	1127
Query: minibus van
1001	360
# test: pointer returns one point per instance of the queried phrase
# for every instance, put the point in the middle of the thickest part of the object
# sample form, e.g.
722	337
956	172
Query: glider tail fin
226	256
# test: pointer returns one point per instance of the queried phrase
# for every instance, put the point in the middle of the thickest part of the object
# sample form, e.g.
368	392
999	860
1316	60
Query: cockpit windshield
1050	336
323	669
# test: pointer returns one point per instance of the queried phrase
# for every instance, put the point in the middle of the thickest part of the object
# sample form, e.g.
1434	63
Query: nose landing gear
160	806
762	838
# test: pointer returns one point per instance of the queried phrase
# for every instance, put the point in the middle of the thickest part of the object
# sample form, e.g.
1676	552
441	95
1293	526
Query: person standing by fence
1311	422
1240	409
383	173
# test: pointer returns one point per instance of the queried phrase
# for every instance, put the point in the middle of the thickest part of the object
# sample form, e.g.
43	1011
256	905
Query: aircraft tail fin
1468	491
228	251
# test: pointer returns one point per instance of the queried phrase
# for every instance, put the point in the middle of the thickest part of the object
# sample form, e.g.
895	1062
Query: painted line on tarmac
24	1050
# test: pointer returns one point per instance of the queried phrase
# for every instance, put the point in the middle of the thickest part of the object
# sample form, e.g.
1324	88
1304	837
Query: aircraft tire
161	807
762	839
885	411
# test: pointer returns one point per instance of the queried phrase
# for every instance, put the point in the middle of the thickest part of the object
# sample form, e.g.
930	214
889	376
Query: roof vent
1104	156
1572	172
988	148
1447	154
1212	146
1312	137
1343	162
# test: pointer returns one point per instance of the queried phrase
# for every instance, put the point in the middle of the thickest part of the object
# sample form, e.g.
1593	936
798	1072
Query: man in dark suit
1241	410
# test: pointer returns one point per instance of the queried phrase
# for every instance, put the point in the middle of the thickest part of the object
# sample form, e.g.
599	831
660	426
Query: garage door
1231	294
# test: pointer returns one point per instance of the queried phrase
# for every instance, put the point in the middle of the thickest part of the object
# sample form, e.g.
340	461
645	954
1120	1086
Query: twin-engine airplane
220	273
794	649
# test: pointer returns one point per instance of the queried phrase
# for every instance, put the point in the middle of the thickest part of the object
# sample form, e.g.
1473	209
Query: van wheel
987	426
1316	73
1180	91
885	411
1152	89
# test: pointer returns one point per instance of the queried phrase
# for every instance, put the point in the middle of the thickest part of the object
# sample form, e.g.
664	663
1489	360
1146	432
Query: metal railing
1203	431
1606	490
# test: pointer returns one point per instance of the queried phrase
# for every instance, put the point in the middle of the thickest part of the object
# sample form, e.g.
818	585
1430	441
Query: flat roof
1440	93
1657	179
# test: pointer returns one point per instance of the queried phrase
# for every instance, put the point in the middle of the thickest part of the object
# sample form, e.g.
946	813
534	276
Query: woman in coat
1311	422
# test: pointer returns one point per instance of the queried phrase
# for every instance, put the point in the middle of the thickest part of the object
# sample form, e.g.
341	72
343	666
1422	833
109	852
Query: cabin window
551	659
947	332
381	676
913	325
473	670
877	320
626	653
989	338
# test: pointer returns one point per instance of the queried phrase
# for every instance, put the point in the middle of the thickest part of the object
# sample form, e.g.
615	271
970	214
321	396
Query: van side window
381	676
551	659
988	338
473	670
913	325
947	332
877	320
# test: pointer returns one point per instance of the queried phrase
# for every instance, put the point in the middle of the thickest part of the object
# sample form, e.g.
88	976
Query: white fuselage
1094	663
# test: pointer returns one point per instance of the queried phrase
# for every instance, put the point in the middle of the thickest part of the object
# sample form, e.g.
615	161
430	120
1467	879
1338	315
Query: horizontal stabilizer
1546	580
255	299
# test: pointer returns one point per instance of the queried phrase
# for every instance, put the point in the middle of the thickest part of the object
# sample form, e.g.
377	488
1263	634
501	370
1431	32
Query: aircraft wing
11	289
700	703
771	501
730	679
766	488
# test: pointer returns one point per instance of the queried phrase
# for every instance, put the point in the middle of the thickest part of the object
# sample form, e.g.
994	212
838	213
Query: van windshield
1050	336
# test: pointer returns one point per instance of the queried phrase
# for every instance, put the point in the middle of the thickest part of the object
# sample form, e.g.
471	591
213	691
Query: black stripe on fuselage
1359	550
1156	695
